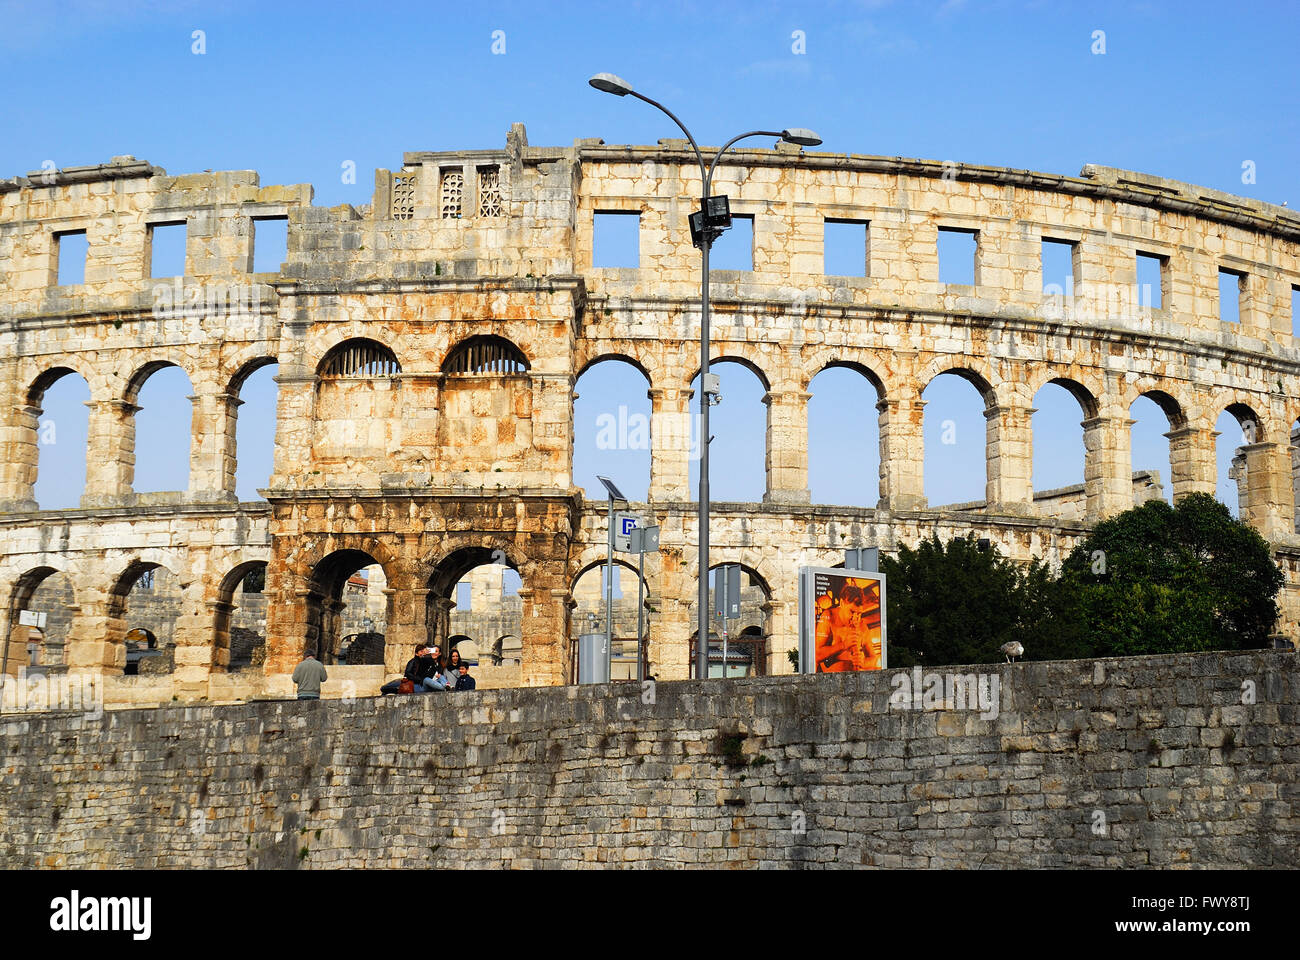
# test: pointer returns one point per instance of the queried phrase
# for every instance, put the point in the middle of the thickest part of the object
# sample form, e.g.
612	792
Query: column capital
786	396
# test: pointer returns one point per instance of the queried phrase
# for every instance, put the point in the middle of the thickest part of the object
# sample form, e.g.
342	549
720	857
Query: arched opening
1059	454
40	616
738	453
611	428
358	359
347	602
164	426
744	632
844	436
956	439
258	394
485	355
1155	415
473	596
60	428
588	616
1237	427
145	606
240	641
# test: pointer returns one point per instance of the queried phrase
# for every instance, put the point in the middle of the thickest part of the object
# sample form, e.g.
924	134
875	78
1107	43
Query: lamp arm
672	116
708	179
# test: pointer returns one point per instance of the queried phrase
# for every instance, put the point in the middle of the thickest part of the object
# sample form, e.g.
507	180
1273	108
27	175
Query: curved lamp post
609	83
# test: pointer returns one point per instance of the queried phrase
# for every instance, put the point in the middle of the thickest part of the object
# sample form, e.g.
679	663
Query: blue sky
1184	90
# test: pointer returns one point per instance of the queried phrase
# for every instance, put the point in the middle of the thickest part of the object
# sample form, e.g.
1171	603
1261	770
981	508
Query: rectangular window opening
1232	287
957	251
846	247
71	250
1060	260
1152	273
734	250
1295	309
463	592
617	239
270	243
167	249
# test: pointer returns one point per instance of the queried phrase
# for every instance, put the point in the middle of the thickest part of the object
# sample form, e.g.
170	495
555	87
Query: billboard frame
807	614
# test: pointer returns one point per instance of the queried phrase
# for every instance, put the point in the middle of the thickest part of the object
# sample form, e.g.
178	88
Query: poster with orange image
847	613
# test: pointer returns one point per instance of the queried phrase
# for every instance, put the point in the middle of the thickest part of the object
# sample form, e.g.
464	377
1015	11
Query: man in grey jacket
308	676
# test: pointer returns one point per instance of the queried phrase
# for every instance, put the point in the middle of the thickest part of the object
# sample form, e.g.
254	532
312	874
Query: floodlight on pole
703	233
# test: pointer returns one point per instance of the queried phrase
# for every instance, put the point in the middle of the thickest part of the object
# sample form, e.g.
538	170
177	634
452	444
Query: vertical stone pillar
212	449
110	453
220	614
407	625
295	416
293	617
902	453
782	629
543	629
1108	466
787	446
195	637
1010	460
671	451
671	625
95	637
21	457
1270	498
1192	464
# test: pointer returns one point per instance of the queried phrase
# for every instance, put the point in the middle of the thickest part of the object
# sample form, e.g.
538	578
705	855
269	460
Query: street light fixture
704	230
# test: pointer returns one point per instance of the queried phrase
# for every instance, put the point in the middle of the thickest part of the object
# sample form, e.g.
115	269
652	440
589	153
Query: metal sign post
862	558
641	539
726	601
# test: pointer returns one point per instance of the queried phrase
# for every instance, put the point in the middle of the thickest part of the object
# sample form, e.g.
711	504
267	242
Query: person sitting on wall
452	673
464	681
436	677
421	674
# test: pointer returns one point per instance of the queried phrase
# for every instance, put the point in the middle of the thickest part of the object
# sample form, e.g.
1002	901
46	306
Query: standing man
308	676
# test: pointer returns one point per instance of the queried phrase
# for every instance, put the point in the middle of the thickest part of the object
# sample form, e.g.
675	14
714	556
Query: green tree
1162	579
955	602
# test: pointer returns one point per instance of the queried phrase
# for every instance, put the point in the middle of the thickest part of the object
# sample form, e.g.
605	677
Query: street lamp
713	218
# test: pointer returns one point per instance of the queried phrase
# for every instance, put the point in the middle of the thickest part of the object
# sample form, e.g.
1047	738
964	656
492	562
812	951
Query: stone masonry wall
1187	760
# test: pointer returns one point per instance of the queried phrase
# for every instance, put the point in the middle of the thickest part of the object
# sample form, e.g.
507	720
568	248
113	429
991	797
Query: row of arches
472	601
612	417
164	416
843	438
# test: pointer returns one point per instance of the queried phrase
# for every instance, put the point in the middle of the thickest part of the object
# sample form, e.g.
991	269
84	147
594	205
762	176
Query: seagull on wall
1013	649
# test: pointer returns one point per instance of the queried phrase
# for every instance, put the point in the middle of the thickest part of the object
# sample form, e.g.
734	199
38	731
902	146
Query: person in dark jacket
430	672
423	670
465	681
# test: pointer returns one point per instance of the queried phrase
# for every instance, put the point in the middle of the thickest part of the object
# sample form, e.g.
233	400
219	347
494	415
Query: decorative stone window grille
359	360
489	191
485	355
403	196
453	187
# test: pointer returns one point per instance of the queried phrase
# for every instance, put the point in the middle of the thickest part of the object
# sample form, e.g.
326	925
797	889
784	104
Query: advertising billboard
841	620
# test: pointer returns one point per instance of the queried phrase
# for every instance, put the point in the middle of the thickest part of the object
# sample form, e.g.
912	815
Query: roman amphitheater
429	347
